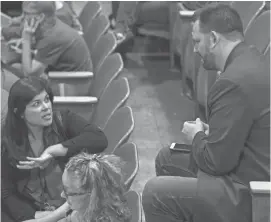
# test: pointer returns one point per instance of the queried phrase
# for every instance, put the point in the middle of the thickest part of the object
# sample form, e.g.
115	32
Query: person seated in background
36	142
209	179
123	18
93	188
57	46
131	14
11	8
64	12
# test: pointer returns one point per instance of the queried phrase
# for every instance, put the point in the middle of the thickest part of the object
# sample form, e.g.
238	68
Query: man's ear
214	38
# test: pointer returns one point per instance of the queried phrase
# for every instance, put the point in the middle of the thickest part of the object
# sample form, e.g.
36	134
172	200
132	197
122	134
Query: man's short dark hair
221	18
46	7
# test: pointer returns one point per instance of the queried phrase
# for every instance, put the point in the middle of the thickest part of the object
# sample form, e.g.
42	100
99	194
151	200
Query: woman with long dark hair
36	143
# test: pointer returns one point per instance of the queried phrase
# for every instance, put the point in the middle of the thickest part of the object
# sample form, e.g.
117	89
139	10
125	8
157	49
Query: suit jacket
237	149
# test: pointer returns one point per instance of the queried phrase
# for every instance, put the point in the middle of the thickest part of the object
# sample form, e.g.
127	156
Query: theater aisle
158	107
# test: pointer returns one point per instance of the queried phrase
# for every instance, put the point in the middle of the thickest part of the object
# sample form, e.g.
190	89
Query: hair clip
94	157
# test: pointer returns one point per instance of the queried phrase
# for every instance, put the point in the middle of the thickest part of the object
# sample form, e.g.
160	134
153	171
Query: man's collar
236	51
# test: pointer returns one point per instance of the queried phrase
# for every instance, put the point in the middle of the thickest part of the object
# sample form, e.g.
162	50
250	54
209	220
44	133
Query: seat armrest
5	20
184	13
260	187
76	82
81	105
70	75
75	100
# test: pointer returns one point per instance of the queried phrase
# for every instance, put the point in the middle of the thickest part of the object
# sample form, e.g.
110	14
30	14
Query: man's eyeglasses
71	194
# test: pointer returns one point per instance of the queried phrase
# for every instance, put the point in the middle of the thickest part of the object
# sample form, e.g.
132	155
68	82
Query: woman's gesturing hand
36	162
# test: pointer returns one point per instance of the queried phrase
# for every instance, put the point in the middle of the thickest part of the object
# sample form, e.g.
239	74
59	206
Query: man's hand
206	128
190	129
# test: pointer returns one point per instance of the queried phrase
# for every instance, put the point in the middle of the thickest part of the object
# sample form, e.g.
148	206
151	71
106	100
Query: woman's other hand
36	162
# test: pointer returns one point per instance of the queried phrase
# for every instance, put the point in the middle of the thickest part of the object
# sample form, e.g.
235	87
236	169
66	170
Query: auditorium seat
260	201
258	33
89	12
108	71
267	54
104	47
112	99
97	110
97	28
134	203
128	153
119	128
248	11
72	83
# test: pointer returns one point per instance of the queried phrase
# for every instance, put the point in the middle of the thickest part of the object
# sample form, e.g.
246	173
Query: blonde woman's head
93	186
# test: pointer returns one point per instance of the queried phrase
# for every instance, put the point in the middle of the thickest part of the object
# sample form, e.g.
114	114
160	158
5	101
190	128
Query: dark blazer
237	149
74	133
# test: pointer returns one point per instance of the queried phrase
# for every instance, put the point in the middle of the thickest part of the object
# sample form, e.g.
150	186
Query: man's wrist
195	133
198	138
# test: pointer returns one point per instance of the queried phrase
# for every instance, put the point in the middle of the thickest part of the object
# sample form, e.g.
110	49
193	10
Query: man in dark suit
211	183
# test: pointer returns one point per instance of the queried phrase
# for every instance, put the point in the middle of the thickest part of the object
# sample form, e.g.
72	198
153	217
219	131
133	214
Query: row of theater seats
256	23
100	42
100	96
